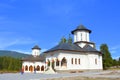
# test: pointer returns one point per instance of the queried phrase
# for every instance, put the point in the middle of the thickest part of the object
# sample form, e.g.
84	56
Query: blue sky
24	23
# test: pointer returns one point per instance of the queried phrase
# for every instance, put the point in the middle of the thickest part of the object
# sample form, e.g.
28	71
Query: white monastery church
79	56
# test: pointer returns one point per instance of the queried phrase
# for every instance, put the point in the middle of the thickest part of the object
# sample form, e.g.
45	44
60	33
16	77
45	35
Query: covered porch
57	63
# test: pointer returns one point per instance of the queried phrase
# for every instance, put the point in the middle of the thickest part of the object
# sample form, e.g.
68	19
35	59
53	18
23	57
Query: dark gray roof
32	58
81	28
36	47
88	48
71	47
65	46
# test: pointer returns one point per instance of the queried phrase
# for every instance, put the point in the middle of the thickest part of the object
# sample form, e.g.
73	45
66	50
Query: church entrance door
42	68
64	63
31	68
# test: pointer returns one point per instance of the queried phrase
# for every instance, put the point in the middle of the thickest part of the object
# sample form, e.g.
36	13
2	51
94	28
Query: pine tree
119	61
63	40
10	64
70	40
115	62
1	60
107	59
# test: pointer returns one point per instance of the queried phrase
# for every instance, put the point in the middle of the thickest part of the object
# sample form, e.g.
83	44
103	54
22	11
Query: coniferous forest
10	64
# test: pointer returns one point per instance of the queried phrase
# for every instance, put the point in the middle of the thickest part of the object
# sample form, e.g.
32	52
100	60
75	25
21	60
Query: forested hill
12	54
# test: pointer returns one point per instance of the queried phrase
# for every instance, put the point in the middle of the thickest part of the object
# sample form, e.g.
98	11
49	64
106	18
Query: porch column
55	64
40	68
23	67
51	64
59	64
46	65
28	68
44	68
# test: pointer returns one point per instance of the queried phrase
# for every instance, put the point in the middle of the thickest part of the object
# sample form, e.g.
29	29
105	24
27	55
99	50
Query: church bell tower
81	36
36	51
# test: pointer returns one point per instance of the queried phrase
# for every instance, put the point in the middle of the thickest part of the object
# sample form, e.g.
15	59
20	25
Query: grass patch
6	71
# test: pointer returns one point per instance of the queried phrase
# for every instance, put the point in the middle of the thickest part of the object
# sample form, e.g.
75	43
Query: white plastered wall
28	63
87	60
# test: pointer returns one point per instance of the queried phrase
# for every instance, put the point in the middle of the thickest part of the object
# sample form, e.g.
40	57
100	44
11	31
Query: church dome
36	47
81	28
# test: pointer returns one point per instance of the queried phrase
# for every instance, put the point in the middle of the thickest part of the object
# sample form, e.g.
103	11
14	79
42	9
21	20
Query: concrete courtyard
28	76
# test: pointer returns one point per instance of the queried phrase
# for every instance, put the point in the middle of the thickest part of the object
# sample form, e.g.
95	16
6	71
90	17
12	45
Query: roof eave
81	30
71	51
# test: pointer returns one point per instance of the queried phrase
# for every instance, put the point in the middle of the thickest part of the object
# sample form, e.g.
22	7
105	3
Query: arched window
38	68
95	61
26	68
86	36
64	62
31	68
79	61
42	68
72	61
75	60
81	36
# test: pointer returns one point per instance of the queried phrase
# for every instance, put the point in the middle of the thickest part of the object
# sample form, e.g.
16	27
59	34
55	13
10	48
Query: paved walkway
29	76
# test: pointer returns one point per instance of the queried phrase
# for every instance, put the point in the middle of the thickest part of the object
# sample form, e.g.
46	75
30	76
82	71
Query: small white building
81	55
34	62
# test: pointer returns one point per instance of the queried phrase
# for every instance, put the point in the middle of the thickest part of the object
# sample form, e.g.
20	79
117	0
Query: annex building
81	55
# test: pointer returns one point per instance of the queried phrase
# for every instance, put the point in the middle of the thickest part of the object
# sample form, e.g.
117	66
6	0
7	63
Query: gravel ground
82	78
102	75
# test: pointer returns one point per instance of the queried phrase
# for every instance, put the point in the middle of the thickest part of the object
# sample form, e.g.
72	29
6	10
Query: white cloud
23	51
114	49
24	41
27	51
116	57
8	39
98	47
43	50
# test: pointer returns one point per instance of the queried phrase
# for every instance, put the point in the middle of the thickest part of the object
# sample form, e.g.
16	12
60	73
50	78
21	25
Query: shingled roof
88	48
81	28
65	46
36	47
32	58
71	47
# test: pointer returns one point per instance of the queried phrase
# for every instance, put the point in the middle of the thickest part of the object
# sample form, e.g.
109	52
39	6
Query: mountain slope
12	54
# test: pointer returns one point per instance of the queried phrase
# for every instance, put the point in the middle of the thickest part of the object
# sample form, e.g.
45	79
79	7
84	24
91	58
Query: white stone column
55	64
40	68
59	64
51	64
46	65
44	68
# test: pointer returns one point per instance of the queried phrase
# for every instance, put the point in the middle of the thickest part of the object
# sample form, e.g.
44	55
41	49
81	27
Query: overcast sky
25	23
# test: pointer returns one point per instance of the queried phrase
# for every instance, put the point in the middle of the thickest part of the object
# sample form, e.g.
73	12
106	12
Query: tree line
108	61
65	40
10	64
